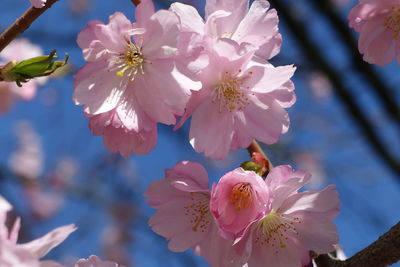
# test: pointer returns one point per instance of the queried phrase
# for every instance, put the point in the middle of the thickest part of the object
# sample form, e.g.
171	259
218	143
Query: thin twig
22	23
255	148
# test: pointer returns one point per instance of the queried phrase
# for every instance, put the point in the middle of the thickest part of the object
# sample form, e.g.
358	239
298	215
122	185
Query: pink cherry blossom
378	23
38	3
94	261
238	199
240	100
293	224
131	69
19	49
27	254
183	215
233	19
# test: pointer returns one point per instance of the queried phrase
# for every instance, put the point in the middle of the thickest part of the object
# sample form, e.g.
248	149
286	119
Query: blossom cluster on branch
171	66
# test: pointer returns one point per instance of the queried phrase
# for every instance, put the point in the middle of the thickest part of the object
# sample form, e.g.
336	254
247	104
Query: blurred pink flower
233	19
38	3
378	23
131	71
240	100
94	261
294	223
183	215
27	254
238	199
27	160
19	49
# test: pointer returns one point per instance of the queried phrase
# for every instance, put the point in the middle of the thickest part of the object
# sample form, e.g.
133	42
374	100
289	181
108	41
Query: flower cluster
244	219
172	63
378	23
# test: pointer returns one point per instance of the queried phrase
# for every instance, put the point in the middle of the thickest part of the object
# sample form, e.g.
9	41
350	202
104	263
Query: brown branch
383	252
22	23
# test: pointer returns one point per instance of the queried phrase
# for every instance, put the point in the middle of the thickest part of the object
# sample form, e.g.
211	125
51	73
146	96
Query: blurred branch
299	31
381	90
383	252
22	23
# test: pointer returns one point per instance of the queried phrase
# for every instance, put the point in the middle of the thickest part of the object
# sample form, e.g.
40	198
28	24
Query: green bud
31	68
252	166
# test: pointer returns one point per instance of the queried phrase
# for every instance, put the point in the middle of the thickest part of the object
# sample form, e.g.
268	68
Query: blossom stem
136	2
22	23
255	148
383	252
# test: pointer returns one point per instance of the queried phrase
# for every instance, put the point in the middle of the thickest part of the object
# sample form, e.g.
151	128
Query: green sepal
31	68
252	166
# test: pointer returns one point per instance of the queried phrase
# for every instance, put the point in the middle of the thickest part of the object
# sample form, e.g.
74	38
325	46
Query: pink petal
114	35
189	17
97	88
211	131
267	120
260	27
41	246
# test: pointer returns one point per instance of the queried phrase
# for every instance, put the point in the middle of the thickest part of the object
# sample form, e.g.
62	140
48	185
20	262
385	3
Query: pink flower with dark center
233	19
238	199
131	72
240	100
293	223
378	22
38	3
27	254
182	200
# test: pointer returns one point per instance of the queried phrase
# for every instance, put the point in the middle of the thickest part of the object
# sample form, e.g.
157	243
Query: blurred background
345	130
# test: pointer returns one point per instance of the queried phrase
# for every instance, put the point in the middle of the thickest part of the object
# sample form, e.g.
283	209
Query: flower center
392	21
241	196
131	62
229	93
274	229
198	211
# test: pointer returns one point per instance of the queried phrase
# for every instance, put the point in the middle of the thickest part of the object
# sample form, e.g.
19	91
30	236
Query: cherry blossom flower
183	215
38	3
240	100
233	19
131	70
27	254
378	22
94	261
238	199
293	224
19	49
